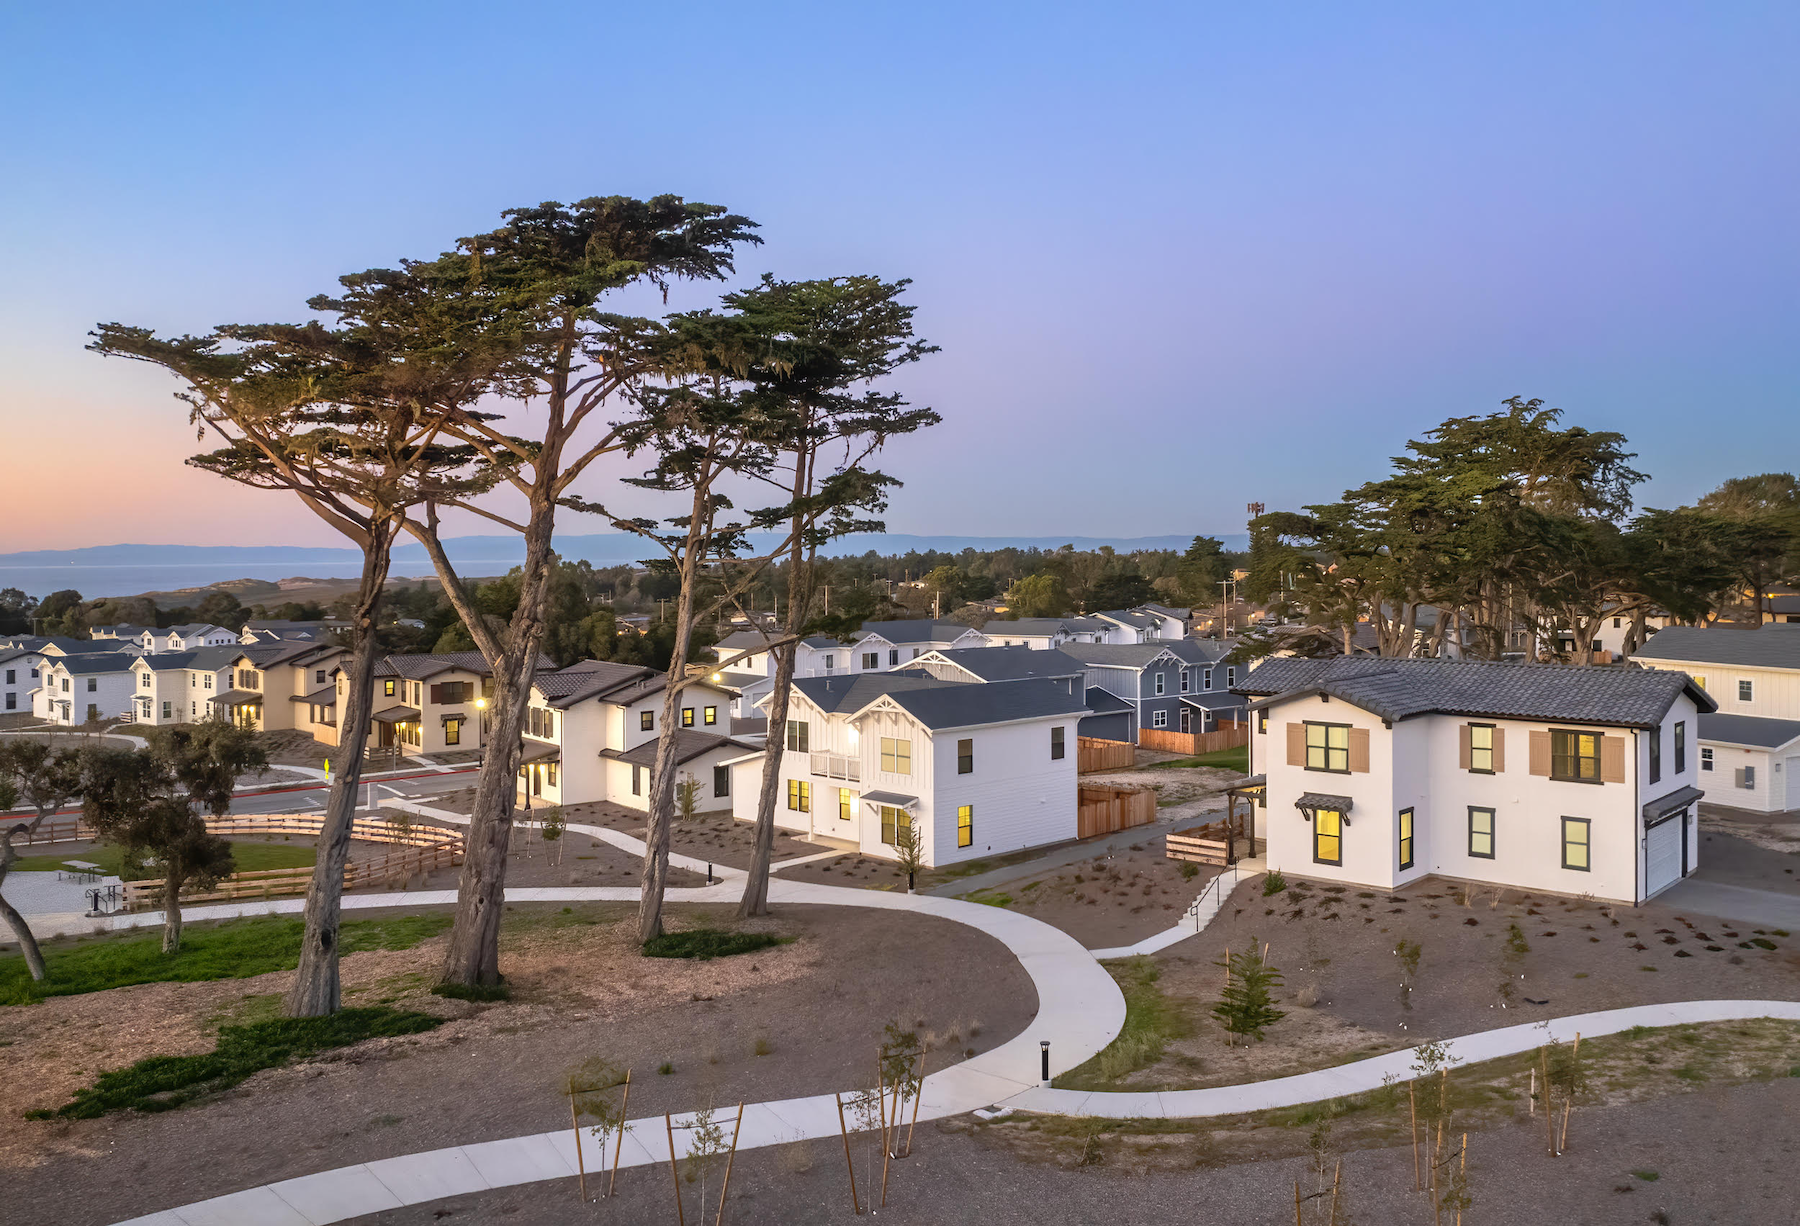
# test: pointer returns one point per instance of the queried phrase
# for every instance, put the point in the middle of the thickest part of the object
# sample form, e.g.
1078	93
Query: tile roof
589	679
1397	689
1776	645
1753	730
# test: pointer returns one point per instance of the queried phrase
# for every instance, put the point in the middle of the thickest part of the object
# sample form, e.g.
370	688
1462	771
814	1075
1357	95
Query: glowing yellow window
1328	837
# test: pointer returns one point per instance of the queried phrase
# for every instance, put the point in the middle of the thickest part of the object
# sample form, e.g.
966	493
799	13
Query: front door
384	736
1187	721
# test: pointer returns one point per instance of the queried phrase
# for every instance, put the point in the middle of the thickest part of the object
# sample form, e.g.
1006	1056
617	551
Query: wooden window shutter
1464	756
1359	751
1296	734
1499	750
1612	759
437	692
1540	752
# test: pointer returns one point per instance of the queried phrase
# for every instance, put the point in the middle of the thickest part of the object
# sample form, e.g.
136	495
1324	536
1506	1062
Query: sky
1178	257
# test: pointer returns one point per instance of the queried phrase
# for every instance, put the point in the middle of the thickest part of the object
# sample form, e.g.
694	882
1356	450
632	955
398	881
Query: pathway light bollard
709	874
1044	1052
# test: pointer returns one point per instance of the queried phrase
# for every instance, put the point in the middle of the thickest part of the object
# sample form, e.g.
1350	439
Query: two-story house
1112	718
19	678
190	636
84	687
423	704
973	769
1749	747
888	644
753	675
281	685
177	687
1379	772
1173	686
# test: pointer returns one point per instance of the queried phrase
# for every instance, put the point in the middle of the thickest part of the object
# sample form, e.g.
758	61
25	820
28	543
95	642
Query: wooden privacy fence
1218	843
423	850
1094	753
1231	736
1103	810
55	830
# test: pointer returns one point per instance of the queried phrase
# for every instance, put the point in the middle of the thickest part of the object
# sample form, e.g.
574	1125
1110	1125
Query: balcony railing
835	766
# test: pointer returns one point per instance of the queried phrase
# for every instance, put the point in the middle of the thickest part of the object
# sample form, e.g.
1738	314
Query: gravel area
797	1019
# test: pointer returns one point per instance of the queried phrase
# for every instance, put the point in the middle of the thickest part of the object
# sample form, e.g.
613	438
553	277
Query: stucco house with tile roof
1380	772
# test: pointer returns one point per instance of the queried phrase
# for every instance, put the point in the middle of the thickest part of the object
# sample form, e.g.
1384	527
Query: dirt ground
1769	832
1703	1158
581	861
786	1021
1337	946
1175	785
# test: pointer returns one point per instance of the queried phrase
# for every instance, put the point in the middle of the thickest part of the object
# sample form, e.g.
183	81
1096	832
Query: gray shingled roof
93	662
1010	663
1131	617
917	630
968	706
1776	645
1105	702
1029	627
1753	730
1138	655
1397	689
853	692
211	659
689	745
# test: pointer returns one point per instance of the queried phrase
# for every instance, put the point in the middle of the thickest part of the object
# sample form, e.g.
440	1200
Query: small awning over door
893	800
1665	807
1311	802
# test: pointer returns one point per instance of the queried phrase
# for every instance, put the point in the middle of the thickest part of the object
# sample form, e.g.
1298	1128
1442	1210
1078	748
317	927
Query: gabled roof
1776	645
1030	627
273	655
689	745
1004	663
124	630
1166	611
589	679
76	647
967	706
93	662
744	640
1105	702
1131	617
854	692
918	630
1754	731
1140	655
211	659
1397	689
189	629
426	665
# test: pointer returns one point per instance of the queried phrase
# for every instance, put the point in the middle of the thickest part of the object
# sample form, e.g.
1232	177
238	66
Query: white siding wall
22	683
1775	692
1020	796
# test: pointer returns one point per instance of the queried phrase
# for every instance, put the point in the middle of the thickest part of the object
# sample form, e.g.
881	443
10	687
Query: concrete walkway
1211	901
1771	908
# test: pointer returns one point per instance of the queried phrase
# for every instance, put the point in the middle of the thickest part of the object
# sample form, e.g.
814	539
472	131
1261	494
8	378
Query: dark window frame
1681	747
709	716
646	721
1586	844
1339	836
687	717
1490	832
1572	735
1656	755
721	781
1406	826
1477	749
1058	744
1326	748
1746	690
965	825
965	756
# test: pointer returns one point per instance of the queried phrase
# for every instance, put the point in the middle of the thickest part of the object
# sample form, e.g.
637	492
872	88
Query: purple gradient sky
1178	257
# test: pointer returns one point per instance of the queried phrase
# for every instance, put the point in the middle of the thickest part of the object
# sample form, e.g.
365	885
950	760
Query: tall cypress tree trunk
756	886
171	901
316	990
655	874
473	958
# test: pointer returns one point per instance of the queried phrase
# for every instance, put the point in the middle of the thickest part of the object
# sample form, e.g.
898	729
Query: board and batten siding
1775	692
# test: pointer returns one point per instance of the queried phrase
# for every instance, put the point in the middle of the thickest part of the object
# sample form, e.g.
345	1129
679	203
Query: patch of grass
665	1068
1151	1020
234	949
704	944
988	898
162	1083
1647	1176
479	992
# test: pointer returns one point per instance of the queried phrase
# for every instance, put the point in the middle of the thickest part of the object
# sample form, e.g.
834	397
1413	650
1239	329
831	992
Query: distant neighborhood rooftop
1398	689
1776	645
1754	731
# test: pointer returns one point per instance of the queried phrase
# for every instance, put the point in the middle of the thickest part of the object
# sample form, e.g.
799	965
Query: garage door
1662	856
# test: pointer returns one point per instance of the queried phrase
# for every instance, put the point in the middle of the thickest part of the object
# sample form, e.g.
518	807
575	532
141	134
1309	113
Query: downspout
1637	824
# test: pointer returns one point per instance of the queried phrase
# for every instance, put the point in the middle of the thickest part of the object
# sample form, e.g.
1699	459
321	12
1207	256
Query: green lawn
1151	1020
251	858
233	949
1225	759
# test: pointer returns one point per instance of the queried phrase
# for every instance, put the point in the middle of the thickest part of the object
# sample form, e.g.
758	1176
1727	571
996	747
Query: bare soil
582	860
813	1009
290	747
1175	785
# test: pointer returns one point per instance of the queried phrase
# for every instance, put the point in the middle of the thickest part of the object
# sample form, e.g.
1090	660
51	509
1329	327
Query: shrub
1189	870
1274	884
705	944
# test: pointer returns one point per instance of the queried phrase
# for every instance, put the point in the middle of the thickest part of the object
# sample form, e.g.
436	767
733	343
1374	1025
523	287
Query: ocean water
94	582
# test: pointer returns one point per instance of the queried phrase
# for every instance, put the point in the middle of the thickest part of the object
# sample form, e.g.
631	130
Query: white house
19	679
976	769
76	689
188	637
1749	749
592	730
1379	772
887	644
1046	633
753	675
177	687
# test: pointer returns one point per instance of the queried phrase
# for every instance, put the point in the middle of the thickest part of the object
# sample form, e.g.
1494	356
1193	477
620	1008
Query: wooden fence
1103	810
1217	843
1093	753
1232	736
55	830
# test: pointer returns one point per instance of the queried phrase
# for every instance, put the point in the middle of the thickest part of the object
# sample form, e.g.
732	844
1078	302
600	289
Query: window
1262	723
1575	844
871	660
846	804
1700	681
965	756
93	684
143	679
1481	748
892	822
637	780
915	654
687	717
1746	775
965	825
1655	754
65	685
453	732
1705	758
1230	676
1159	682
1206	678
799	736
721	781
319	676
1481	833
1056	744
830	661
93	713
206	682
1328	748
1184	681
1328	836
710	716
893	656
1574	756
550	773
646	721
1159	719
387	688
896	755
1617	622
1681	747
1746	691
1406	838
12	701
168	712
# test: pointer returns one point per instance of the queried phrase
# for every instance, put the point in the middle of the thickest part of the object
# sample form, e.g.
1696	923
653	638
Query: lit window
965	825
1481	748
799	798
1574	756
711	715
646	721
687	717
1406	838
896	755
1328	837
1328	747
846	804
1481	833
1575	843
892	822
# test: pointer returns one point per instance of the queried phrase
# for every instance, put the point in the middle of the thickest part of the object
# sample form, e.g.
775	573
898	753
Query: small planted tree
1247	1006
687	797
902	1056
552	827
706	1148
154	801
598	1094
45	779
909	852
